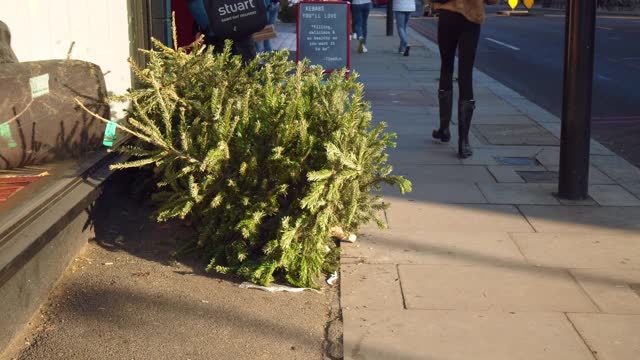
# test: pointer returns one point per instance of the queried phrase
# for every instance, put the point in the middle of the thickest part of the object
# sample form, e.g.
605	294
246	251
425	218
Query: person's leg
272	15
401	32
366	9
467	46
353	21
357	19
407	16
447	43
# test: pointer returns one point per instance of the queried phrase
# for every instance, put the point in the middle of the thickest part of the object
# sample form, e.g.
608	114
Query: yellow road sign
528	3
513	4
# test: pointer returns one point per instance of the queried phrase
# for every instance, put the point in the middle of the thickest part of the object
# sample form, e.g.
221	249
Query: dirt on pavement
124	298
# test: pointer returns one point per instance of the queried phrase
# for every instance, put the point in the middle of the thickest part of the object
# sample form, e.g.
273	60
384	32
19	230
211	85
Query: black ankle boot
465	112
445	98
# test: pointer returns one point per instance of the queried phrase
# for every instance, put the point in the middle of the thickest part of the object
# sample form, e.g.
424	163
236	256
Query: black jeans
456	32
244	47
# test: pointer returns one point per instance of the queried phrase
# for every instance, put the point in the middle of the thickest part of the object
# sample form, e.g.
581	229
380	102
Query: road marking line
617	122
604	78
605	28
632	117
503	44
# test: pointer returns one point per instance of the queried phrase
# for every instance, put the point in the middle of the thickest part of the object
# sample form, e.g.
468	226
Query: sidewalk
481	261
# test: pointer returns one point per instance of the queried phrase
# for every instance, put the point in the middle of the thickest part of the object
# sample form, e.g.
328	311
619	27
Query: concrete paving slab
408	215
532	110
502	119
481	156
529	194
572	250
391	111
578	219
615	291
444	193
496	106
620	170
612	195
451	174
384	82
597	177
515	134
543	175
401	156
549	157
492	287
610	337
586	202
552	127
405	97
443	246
370	286
596	148
507	151
505	174
451	335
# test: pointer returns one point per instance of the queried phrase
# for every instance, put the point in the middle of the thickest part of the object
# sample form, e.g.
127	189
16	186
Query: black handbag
440	1
235	19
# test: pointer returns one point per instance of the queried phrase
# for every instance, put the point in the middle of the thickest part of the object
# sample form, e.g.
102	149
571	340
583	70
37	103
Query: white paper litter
274	288
332	279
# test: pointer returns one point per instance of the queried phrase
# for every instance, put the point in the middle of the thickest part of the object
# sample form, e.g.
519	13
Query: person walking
458	28
402	10
360	10
272	15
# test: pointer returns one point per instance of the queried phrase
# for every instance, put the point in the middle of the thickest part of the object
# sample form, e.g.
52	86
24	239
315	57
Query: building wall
46	29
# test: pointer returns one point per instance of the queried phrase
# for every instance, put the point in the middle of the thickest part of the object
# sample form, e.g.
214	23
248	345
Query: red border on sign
348	30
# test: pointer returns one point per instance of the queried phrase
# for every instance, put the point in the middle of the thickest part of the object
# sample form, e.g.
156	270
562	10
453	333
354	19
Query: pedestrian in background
458	28
402	10
245	47
354	35
360	10
272	15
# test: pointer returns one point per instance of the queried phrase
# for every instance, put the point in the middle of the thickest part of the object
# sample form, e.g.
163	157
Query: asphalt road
526	54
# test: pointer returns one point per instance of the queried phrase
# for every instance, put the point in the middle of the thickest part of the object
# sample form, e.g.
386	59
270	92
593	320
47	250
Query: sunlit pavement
481	260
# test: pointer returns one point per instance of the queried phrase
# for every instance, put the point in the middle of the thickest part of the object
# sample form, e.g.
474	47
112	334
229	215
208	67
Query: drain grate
517	161
543	177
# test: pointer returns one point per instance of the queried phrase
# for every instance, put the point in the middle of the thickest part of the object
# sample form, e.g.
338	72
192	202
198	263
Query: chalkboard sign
323	33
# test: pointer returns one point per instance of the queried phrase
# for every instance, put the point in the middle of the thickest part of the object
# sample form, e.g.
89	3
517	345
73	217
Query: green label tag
5	132
109	134
39	85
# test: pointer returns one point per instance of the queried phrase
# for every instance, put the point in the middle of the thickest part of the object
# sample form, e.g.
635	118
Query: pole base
572	197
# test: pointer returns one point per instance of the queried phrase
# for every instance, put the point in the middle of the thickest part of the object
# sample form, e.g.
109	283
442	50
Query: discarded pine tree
263	159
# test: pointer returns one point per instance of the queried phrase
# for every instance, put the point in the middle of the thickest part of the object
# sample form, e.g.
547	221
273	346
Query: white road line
605	28
503	44
604	78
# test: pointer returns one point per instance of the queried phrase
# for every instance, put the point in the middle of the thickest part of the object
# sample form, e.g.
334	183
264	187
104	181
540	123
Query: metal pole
576	105
390	18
